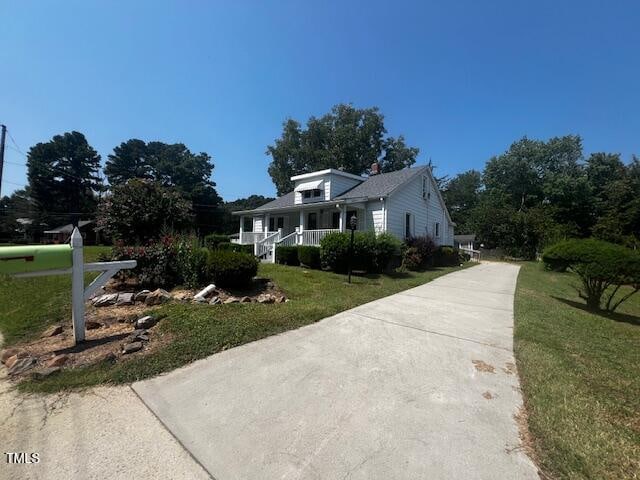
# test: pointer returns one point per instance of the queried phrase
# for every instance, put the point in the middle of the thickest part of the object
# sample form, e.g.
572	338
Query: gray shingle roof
379	185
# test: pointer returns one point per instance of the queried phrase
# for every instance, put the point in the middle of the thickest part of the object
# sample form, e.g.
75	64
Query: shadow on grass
616	316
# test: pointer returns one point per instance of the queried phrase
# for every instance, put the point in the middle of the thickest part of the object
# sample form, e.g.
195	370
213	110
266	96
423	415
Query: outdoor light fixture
353	224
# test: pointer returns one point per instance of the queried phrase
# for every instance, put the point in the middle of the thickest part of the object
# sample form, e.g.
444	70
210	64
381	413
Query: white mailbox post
80	294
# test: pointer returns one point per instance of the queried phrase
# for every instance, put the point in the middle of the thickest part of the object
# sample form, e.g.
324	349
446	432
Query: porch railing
264	247
313	237
253	237
474	254
288	240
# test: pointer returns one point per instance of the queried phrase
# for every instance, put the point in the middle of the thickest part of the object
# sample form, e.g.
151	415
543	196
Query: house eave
307	206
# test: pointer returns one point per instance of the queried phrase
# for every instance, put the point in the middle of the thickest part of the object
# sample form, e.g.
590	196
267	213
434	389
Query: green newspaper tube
34	258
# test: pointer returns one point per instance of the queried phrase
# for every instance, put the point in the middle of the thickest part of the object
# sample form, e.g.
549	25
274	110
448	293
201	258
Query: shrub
287	255
191	262
236	247
156	263
231	269
421	250
603	269
309	256
334	251
212	240
446	256
387	248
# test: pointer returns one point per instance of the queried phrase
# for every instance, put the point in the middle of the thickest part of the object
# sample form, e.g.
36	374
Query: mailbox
34	258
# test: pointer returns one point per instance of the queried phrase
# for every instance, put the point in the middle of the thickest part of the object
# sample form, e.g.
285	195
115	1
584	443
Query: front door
312	221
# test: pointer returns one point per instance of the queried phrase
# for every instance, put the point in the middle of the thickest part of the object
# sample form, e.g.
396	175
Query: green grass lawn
29	305
580	375
200	330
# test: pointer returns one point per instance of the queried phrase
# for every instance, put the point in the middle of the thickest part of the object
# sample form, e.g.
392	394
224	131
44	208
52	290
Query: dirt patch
482	366
510	368
527	443
487	395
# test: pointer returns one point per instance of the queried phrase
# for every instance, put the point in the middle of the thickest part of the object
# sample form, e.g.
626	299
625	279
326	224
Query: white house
405	203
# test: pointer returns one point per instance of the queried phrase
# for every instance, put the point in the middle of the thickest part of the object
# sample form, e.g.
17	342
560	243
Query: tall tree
346	138
63	178
128	160
461	195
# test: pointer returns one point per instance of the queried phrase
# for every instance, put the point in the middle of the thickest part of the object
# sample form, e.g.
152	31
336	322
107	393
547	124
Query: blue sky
461	79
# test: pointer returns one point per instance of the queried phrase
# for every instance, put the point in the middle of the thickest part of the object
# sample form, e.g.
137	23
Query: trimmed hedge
287	255
235	247
603	268
370	253
309	256
445	256
231	269
418	252
212	240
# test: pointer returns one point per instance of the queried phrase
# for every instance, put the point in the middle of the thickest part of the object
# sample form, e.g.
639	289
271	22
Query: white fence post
77	286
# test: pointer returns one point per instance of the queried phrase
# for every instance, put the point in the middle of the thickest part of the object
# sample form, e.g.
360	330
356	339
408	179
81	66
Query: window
280	222
407	225
306	194
436	229
272	224
312	221
425	188
248	224
316	193
335	220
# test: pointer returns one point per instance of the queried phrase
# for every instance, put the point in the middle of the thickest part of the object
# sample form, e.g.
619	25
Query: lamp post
353	224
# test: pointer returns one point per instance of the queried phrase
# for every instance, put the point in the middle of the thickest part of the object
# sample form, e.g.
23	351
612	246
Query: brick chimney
375	168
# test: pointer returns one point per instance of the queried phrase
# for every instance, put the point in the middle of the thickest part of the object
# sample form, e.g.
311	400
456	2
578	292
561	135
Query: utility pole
2	139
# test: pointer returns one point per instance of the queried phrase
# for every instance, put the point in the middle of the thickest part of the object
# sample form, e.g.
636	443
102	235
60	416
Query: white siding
257	224
340	184
424	212
375	216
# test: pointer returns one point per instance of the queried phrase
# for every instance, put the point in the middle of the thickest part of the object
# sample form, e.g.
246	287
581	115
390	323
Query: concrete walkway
419	385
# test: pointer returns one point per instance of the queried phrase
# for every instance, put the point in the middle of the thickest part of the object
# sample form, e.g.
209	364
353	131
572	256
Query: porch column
343	218
301	229
241	228
265	227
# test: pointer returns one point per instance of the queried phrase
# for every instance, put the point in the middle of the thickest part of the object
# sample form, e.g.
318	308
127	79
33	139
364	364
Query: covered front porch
302	225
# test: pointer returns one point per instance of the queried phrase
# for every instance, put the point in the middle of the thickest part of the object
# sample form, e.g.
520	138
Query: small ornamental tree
140	210
603	267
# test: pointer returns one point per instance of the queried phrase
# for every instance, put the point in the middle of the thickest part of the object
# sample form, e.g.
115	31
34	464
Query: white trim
332	171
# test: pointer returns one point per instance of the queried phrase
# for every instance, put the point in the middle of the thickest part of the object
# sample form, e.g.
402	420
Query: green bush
287	255
309	256
603	269
418	253
212	240
191	262
236	247
231	269
446	256
370	253
388	249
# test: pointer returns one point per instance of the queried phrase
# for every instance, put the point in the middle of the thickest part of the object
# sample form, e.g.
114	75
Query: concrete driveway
418	385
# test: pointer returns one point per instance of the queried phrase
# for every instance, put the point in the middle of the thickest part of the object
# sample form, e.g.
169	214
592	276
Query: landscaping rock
107	357
105	300
52	331
57	361
157	297
245	300
232	300
45	372
22	365
281	299
145	322
266	298
131	347
11	361
141	296
140	335
125	299
12	352
215	301
92	325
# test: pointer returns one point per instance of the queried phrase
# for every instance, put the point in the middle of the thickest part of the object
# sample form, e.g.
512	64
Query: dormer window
315	193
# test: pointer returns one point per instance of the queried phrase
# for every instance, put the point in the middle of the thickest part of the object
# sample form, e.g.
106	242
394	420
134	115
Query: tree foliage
139	210
604	268
346	138
63	178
